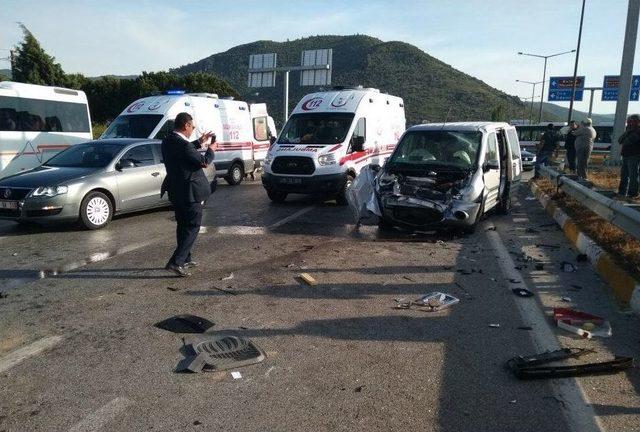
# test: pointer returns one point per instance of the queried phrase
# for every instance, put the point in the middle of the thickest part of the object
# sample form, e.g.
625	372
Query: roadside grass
98	129
622	246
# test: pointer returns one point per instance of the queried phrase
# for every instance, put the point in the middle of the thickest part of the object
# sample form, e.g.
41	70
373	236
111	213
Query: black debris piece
582	258
185	324
531	367
525	328
575	287
567	267
3	294
539	266
550	246
514	281
491	228
358	389
193	363
173	288
522	292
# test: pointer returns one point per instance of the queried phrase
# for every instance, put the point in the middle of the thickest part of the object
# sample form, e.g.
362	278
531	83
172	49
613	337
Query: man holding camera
187	186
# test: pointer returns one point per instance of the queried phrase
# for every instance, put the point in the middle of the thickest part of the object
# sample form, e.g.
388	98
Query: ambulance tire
341	198
235	175
277	197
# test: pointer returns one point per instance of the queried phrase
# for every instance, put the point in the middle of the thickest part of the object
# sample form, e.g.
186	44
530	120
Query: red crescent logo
135	107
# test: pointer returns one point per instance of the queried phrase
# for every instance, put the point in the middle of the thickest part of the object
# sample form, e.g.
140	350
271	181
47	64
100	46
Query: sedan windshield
457	149
90	155
320	128
132	126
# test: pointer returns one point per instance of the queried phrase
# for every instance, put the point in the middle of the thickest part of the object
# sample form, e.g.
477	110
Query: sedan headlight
327	159
50	191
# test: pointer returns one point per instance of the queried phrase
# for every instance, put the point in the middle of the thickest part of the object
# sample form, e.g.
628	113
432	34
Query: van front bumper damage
317	184
416	213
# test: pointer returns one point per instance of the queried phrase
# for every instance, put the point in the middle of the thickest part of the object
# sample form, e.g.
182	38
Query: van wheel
341	198
277	197
472	228
95	210
235	175
384	226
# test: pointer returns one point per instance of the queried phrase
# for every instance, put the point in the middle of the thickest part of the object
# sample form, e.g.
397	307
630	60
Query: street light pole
533	92
544	73
575	67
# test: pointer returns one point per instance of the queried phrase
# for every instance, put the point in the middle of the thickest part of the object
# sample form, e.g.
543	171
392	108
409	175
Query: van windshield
132	126
317	128
455	149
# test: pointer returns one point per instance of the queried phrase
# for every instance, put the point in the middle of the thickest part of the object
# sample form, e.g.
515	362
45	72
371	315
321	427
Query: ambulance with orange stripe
243	131
327	140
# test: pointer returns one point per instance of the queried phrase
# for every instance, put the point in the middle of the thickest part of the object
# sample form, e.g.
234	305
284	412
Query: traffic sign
561	88
611	84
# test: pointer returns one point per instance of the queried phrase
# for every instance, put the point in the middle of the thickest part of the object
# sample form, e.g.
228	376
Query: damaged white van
327	140
243	131
449	175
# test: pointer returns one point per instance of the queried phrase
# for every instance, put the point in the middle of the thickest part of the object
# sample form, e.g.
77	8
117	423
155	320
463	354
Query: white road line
101	417
21	354
580	415
291	217
241	230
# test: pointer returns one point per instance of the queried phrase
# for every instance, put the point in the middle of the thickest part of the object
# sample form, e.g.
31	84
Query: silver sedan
89	183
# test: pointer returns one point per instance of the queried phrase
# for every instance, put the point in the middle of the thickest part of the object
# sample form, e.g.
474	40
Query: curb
625	288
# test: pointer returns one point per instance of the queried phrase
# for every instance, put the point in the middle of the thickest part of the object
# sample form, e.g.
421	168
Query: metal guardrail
624	216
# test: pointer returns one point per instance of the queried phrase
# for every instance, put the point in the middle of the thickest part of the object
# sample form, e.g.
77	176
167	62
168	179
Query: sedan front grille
293	165
16	194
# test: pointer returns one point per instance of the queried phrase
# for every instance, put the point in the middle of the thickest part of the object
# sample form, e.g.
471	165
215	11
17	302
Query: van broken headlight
327	159
49	191
268	159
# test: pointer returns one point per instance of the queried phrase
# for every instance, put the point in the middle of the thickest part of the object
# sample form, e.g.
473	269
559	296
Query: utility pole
626	73
575	68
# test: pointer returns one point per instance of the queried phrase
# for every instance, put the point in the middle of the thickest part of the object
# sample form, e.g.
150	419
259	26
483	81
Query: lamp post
544	73
575	68
533	92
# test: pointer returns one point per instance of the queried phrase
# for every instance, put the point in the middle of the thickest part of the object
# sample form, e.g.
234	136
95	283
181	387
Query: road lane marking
580	415
291	217
241	230
102	416
21	354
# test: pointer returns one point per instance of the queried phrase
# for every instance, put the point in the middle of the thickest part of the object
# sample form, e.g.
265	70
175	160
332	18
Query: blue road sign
560	88
611	84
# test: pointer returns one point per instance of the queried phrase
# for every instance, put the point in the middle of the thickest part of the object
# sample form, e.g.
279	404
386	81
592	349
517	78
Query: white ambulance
243	131
328	138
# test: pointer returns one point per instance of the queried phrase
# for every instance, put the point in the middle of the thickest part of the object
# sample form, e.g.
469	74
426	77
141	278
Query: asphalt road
79	352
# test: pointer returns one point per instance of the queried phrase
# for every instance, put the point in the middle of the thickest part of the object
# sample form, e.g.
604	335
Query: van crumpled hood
432	184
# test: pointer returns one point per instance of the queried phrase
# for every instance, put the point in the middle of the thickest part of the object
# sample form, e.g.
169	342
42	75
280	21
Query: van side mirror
125	163
357	144
491	165
374	167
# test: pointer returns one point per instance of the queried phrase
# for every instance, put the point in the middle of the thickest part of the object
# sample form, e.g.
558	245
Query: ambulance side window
165	130
260	129
360	131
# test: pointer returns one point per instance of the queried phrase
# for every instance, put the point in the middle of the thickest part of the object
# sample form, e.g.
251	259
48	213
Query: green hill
429	87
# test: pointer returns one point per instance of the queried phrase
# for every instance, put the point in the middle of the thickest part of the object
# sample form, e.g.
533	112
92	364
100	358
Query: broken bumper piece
532	367
423	213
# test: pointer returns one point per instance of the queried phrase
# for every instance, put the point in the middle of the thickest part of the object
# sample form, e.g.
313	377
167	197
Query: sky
478	37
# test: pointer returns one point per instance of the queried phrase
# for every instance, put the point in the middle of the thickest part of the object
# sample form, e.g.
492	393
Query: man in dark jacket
630	151
546	148
187	186
570	147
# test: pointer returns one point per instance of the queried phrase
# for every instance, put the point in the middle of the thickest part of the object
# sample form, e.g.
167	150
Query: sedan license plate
11	205
291	180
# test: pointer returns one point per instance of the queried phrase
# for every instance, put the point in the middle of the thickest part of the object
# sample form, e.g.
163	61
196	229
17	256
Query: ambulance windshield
132	126
317	128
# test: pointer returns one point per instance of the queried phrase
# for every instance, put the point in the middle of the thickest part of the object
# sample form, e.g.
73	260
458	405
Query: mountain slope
430	88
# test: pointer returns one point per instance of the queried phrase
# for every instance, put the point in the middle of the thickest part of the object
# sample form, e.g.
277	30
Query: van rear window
132	126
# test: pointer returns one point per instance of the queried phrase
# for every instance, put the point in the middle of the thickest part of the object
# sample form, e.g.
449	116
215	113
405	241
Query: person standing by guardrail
630	151
585	135
546	147
570	147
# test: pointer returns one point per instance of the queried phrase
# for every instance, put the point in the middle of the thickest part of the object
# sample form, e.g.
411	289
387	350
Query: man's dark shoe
190	264
179	270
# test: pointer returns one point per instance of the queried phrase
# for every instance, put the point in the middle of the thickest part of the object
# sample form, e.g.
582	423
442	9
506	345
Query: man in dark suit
187	186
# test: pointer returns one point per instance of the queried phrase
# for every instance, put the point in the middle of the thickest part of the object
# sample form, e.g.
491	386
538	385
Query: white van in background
36	122
243	132
328	138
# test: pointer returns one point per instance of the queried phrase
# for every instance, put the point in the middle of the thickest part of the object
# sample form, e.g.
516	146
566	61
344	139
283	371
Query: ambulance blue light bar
174	92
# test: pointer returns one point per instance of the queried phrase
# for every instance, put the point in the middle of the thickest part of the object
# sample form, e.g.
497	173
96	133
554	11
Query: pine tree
33	65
